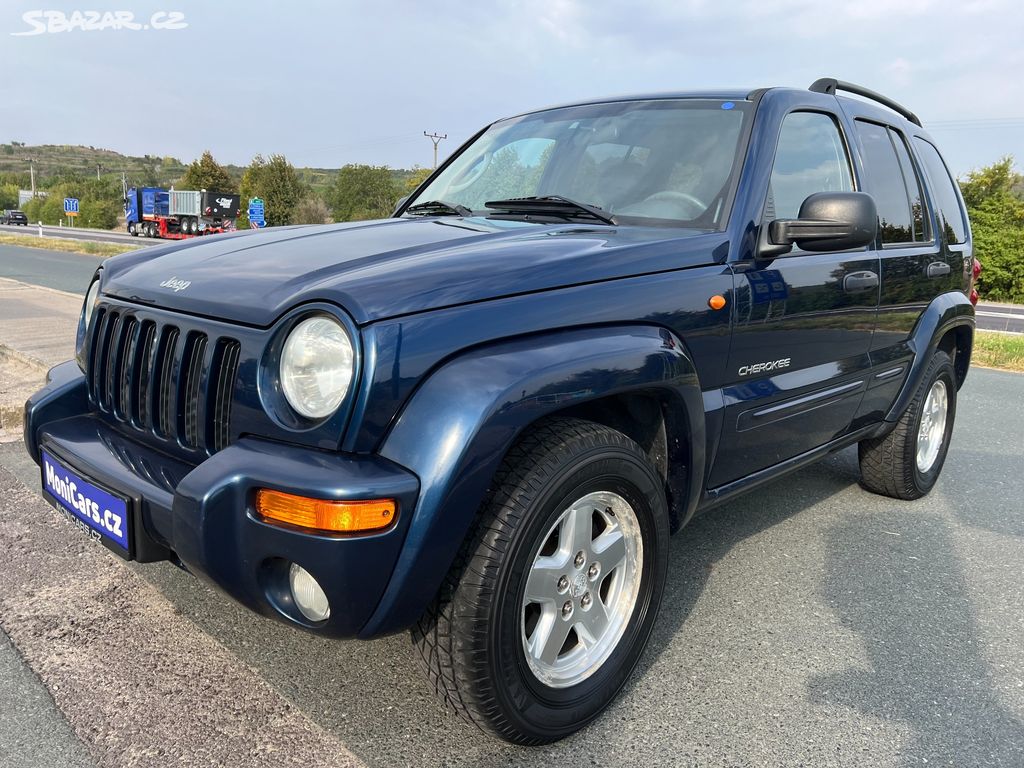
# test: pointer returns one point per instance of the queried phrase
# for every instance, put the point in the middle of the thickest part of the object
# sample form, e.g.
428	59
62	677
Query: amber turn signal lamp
323	515
716	301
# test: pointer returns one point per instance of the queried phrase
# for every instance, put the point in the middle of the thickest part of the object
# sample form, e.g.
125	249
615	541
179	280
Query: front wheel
905	464
552	600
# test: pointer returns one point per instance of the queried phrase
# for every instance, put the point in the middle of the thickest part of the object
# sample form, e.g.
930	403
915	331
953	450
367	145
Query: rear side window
810	158
950	215
886	183
913	182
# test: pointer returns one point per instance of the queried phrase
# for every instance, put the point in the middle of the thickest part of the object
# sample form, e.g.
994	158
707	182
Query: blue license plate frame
102	514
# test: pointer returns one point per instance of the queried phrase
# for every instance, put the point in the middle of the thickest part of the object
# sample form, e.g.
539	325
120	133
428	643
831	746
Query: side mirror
399	204
829	221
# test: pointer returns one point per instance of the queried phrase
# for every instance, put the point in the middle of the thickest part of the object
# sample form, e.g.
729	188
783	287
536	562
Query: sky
330	83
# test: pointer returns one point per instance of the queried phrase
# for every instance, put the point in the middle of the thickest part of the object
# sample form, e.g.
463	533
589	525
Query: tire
473	640
898	464
131	230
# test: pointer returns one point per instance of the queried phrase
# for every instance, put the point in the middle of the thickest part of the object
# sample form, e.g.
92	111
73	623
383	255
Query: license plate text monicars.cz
91	508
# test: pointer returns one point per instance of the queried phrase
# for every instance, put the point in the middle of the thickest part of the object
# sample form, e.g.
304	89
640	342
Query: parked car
14	217
481	419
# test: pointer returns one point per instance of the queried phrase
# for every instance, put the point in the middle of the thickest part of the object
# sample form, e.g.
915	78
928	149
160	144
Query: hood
381	269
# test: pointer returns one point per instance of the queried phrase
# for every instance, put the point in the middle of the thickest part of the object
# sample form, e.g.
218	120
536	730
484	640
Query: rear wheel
551	602
906	463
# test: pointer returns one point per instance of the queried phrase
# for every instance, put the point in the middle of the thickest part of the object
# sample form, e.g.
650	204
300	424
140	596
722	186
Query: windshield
670	162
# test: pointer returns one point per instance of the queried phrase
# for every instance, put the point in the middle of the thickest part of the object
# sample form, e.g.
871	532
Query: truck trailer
177	214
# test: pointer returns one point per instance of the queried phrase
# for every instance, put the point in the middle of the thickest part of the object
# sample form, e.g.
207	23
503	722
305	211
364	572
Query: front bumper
203	514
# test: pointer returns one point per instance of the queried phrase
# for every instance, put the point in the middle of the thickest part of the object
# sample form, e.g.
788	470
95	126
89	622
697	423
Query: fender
946	311
457	427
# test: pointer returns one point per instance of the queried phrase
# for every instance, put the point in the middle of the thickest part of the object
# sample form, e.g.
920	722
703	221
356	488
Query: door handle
860	281
938	269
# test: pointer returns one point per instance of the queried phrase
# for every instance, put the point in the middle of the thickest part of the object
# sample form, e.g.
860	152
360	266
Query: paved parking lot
809	624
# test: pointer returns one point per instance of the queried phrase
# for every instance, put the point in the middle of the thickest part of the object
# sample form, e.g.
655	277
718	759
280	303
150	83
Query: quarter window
949	214
886	184
913	182
810	158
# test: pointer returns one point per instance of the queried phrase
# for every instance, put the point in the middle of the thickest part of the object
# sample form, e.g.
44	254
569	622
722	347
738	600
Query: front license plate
100	511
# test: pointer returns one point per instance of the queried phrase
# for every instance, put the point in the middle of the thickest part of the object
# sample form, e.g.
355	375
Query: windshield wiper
551	205
438	208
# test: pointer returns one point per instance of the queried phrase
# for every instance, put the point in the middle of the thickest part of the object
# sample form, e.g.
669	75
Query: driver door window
810	158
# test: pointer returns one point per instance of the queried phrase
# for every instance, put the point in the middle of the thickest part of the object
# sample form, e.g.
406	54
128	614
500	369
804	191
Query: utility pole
437	138
32	174
97	171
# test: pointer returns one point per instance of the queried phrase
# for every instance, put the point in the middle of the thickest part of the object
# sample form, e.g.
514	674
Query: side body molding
457	427
946	311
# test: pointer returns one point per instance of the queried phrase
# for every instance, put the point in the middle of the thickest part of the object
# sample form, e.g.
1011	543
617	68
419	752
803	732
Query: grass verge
90	247
999	350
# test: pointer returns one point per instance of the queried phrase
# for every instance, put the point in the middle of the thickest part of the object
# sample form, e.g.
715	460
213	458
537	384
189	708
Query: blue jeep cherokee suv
482	418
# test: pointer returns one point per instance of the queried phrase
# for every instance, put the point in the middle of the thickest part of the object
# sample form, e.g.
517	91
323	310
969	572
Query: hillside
53	160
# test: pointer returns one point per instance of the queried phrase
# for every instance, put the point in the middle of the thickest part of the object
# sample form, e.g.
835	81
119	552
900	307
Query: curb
11	282
9	354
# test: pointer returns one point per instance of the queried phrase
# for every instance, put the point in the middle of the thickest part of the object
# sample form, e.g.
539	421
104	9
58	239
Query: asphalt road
77	233
1008	318
811	623
52	269
33	732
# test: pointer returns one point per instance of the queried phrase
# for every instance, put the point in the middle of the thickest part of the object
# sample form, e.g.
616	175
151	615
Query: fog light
308	595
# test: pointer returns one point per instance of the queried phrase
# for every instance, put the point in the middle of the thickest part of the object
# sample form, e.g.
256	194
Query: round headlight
316	366
90	303
88	309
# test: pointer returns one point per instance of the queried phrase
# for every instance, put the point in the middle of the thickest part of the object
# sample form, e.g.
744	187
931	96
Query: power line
437	138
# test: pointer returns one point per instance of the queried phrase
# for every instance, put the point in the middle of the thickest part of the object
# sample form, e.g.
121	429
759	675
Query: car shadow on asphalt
708	538
926	668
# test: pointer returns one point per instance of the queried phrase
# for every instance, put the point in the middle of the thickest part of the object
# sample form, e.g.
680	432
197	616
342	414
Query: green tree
33	210
8	195
98	213
417	177
364	192
275	181
207	173
311	210
997	225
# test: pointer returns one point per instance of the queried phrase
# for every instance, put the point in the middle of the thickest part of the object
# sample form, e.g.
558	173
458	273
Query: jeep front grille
150	376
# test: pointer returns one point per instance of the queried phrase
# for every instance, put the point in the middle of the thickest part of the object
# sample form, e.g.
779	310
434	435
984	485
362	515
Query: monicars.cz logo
55	22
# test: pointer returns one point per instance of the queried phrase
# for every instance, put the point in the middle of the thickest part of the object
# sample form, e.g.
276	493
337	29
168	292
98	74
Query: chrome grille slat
190	374
140	411
110	367
99	377
176	384
163	397
121	385
227	369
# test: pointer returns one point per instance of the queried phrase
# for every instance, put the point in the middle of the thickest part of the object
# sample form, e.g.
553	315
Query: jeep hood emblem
175	284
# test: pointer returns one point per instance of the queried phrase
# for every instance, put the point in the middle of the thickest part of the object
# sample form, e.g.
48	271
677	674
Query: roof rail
830	85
